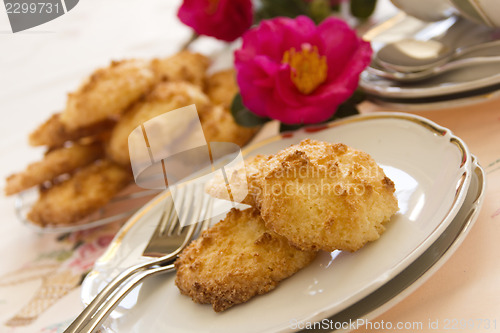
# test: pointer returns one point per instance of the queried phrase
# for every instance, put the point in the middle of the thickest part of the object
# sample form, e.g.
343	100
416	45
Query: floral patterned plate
431	169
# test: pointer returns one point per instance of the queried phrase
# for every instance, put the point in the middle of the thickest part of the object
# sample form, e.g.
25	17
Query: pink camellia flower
222	19
299	73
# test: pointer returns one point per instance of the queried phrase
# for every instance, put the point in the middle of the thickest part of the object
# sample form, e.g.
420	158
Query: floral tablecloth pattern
58	268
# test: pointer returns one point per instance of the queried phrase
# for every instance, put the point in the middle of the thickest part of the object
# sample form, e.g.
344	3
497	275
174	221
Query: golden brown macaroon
235	260
53	133
55	163
219	126
165	97
108	92
183	66
326	196
221	87
240	181
86	191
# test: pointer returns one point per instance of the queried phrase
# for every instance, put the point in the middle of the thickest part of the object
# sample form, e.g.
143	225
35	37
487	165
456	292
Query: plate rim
470	217
434	128
425	104
437	91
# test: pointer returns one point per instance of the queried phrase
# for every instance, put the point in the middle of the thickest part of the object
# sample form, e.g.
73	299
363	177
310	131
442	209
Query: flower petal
228	21
265	82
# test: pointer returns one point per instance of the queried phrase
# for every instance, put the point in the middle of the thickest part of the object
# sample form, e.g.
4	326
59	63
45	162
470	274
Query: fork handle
102	296
102	313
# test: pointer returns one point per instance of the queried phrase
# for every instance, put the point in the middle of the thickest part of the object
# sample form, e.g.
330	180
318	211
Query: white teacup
426	10
486	12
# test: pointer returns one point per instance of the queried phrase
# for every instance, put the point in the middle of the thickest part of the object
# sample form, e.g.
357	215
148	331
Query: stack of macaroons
87	161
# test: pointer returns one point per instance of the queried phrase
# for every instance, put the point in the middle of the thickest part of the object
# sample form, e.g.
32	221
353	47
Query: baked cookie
53	133
240	182
326	196
108	92
183	66
219	126
165	97
55	163
235	260
221	87
217	123
75	198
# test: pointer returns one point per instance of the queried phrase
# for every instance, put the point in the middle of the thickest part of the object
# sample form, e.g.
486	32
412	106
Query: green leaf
349	107
243	116
290	127
287	8
335	8
319	10
362	9
345	109
357	97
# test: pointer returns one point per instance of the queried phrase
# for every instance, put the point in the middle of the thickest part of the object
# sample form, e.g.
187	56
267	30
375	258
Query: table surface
40	273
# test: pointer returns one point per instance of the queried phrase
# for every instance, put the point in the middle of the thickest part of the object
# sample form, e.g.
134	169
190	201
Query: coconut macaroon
183	66
55	163
244	185
219	126
235	260
108	92
75	198
221	87
326	196
165	97
53	133
217	122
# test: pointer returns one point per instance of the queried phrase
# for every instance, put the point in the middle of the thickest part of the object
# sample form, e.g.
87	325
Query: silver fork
169	239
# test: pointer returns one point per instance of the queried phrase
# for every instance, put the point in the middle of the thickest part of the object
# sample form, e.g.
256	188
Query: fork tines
172	232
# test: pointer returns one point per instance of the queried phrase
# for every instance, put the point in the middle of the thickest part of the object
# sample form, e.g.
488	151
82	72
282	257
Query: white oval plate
427	264
431	169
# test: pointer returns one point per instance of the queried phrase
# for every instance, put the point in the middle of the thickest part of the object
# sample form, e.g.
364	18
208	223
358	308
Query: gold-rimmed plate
432	170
